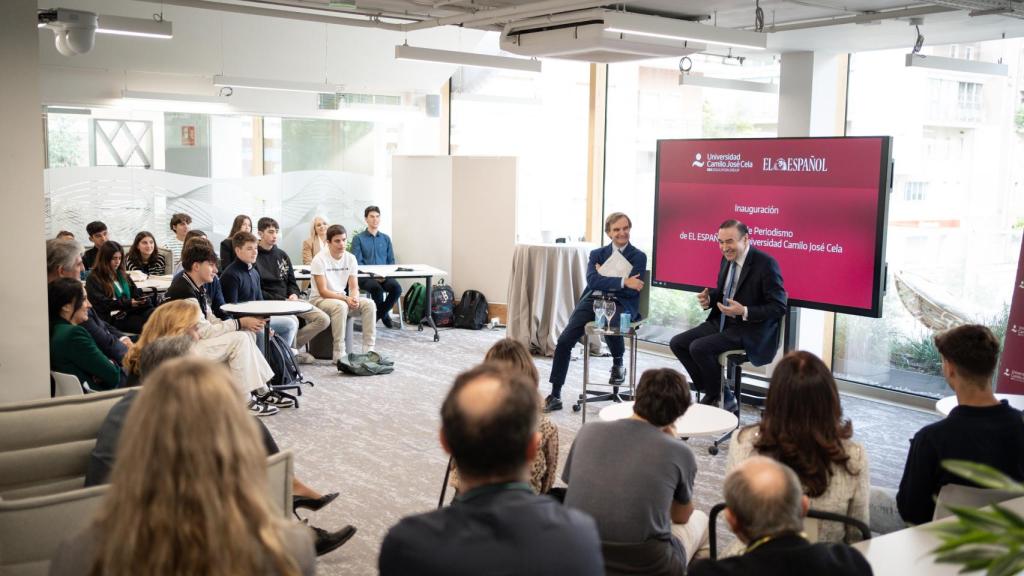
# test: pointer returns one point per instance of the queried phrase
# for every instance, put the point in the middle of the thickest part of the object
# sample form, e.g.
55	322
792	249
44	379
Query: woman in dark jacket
72	350
242	223
113	294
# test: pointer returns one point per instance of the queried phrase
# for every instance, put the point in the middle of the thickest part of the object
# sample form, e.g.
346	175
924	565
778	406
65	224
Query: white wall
24	347
457	213
484	230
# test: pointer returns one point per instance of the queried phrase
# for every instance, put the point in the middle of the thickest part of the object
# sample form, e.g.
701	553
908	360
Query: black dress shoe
618	374
313	504
326	542
386	320
552	403
709	400
730	404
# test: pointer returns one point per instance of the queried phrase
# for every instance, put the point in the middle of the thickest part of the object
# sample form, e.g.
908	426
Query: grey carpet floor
375	439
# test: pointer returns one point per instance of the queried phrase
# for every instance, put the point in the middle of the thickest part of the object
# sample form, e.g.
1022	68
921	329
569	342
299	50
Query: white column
812	102
24	342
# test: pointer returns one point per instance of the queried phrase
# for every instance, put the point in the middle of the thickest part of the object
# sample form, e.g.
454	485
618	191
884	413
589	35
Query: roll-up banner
1011	365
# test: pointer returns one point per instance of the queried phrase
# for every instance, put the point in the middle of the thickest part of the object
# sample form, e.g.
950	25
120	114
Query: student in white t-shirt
335	290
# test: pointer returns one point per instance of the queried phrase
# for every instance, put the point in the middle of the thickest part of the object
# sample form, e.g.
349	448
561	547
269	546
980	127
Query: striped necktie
727	295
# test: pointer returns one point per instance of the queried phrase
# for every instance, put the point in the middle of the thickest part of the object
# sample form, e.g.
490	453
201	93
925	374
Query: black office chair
861	527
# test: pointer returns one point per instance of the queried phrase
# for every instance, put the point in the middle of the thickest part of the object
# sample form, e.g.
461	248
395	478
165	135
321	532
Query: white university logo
698	162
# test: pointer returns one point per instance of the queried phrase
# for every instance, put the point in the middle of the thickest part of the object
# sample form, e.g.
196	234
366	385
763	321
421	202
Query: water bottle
624	320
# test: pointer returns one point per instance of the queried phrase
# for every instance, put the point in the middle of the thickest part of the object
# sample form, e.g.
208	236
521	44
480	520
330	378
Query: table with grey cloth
547	281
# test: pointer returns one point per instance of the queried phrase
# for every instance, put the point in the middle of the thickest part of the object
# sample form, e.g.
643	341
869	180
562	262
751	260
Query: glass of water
599	319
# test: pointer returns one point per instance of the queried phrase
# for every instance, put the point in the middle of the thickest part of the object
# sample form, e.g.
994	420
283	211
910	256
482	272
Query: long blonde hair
314	240
169	319
188	492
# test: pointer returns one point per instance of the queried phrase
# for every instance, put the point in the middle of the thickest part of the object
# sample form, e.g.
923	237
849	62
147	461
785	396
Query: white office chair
67	384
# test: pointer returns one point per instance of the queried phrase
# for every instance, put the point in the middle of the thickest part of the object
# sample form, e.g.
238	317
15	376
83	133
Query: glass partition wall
956	213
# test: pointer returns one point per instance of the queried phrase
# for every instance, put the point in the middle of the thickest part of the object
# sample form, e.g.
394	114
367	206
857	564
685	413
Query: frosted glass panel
131	199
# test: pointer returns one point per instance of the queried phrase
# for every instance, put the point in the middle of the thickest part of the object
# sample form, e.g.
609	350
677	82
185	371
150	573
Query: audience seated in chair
335	290
64	260
981	429
373	247
241	223
97	232
513	356
765	509
145	257
180	225
241	283
317	240
635	476
143	360
113	293
496	525
72	349
64	235
802	426
277	281
214	292
230	340
188	492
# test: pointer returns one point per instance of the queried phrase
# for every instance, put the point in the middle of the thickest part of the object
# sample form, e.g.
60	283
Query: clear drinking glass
599	319
609	311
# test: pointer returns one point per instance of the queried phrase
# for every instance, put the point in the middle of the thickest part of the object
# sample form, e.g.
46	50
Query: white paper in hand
616	266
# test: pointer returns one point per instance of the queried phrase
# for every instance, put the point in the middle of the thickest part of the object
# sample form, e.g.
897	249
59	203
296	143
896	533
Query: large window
647	103
134	167
542	120
956	214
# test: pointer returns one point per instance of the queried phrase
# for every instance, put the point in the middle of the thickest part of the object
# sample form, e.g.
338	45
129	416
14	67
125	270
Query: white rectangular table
908	552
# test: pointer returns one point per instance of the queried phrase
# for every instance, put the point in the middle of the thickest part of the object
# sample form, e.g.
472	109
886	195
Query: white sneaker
277	400
260	409
304	358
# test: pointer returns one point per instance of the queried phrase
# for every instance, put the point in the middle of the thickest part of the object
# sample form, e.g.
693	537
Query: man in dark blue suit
625	291
747	305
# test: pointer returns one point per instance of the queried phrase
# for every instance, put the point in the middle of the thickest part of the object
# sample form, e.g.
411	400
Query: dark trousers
375	289
698	349
583	313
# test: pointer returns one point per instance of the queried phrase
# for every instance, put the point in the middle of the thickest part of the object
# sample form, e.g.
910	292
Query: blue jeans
283	326
583	313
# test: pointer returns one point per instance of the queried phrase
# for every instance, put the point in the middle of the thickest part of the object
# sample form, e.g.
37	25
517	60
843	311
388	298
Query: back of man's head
972	348
161	350
61	256
488	420
764	498
662	396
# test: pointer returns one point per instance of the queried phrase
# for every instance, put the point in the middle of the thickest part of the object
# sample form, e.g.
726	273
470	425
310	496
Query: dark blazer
227	253
629	298
759	288
494	530
107	306
73	351
107	338
788	556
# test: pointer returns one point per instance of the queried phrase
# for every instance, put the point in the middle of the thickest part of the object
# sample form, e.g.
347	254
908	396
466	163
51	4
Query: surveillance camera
74	30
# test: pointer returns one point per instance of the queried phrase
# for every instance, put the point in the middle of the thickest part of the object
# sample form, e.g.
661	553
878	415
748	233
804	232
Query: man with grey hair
64	260
765	507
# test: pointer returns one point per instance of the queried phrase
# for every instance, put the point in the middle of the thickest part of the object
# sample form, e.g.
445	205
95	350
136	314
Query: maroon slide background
821	209
1011	364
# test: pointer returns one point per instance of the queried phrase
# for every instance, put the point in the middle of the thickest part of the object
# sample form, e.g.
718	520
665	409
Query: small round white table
699	419
946	405
265	308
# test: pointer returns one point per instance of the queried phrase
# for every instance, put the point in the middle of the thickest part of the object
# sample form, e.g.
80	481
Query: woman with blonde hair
512	355
173	318
189	489
317	240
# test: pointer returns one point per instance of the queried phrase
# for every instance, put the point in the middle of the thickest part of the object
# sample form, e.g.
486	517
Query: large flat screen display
818	205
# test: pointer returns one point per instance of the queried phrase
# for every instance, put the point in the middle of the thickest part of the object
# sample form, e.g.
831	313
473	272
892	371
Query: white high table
946	405
699	419
267	308
908	552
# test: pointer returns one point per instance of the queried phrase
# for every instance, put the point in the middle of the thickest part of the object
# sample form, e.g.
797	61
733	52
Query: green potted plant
990	539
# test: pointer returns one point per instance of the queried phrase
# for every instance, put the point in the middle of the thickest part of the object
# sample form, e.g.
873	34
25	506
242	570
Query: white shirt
335	272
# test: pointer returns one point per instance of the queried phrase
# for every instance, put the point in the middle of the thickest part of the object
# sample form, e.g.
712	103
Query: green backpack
414	303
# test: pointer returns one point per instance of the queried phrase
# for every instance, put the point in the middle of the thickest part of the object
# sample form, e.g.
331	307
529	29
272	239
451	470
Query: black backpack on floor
472	311
442	304
282	361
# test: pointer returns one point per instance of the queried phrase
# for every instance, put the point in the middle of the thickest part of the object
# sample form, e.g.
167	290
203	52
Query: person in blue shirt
240	282
373	247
